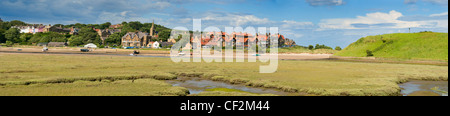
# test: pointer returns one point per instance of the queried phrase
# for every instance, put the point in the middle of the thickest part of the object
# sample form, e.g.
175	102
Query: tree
124	23
114	39
5	25
369	53
9	43
45	39
135	25
17	23
164	35
310	47
24	38
76	40
36	38
322	47
338	48
58	25
85	36
13	35
105	25
2	35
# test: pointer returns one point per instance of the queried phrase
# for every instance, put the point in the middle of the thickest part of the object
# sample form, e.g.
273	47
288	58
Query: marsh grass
141	87
326	78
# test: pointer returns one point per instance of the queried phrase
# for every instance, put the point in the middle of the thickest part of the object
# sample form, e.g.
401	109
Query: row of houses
39	28
143	40
240	39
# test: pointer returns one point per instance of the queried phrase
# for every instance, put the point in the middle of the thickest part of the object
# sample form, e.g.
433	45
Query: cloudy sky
330	22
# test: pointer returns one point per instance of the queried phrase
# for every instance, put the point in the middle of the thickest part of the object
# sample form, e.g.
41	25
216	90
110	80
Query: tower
152	30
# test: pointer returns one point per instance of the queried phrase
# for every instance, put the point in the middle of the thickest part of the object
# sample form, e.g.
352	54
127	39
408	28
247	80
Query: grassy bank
410	46
228	92
19	72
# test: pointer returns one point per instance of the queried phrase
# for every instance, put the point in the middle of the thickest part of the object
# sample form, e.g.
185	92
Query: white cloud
439	2
234	19
379	20
325	2
440	14
410	1
296	25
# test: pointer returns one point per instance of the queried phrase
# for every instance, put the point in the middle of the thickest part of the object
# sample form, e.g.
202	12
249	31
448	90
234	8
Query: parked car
45	49
84	50
136	52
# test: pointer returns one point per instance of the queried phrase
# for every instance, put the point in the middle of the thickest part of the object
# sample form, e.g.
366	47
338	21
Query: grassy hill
415	46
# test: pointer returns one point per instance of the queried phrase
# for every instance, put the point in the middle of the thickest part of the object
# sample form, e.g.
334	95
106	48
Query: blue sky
330	22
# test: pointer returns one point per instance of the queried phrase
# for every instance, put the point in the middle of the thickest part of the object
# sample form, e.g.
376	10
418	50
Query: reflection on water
196	86
440	87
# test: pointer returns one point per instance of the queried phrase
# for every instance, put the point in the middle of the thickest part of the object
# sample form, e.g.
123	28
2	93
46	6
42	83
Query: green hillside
416	46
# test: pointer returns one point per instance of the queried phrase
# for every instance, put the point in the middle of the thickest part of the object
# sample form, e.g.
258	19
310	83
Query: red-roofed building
115	26
238	39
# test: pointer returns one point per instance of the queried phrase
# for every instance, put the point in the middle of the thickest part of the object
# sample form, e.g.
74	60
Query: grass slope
410	46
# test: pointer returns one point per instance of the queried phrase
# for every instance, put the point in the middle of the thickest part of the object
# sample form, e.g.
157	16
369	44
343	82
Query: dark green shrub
369	53
338	48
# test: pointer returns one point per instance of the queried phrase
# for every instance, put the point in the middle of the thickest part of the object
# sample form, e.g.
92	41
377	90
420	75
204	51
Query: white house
155	45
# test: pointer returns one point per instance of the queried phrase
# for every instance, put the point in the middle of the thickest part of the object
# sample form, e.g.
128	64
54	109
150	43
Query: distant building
35	28
136	39
187	46
289	42
166	44
172	41
238	39
155	45
60	29
74	31
105	33
139	39
115	26
42	44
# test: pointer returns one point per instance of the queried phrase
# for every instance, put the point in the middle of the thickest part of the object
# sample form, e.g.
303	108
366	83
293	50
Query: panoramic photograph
217	48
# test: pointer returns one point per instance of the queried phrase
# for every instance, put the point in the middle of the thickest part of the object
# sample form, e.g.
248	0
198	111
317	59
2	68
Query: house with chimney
139	39
105	33
60	29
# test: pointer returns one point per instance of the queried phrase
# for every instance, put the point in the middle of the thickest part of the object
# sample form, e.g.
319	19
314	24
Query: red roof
240	37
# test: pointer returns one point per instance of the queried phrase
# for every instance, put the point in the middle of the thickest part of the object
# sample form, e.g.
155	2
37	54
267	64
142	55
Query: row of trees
311	47
86	35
